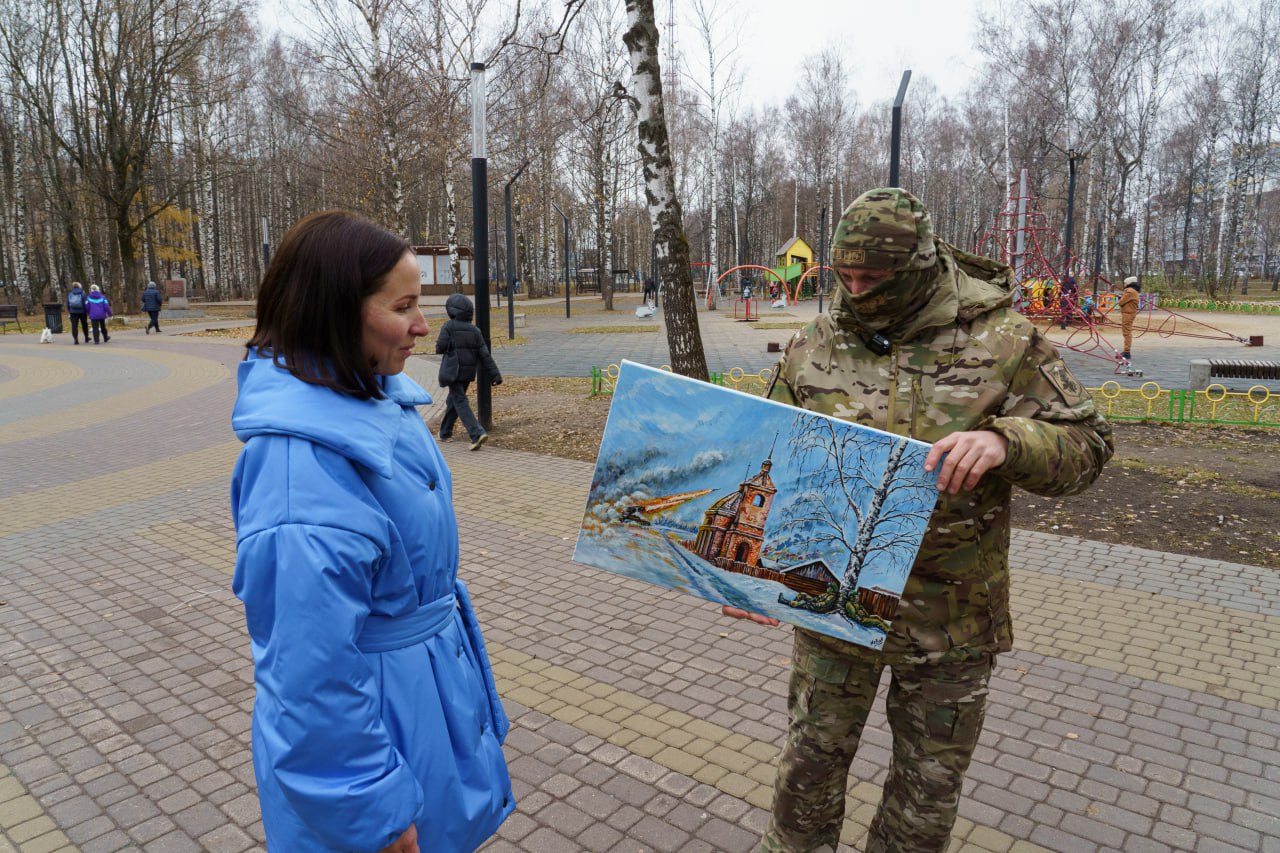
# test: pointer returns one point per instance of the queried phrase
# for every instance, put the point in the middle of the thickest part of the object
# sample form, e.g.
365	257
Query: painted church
732	529
731	537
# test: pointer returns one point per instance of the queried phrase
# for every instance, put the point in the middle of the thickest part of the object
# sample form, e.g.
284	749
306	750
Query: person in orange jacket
1129	312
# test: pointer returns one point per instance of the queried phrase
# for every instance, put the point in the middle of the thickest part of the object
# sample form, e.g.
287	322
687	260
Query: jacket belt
388	633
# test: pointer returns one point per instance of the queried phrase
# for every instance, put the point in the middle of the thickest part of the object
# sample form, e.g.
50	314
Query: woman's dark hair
310	303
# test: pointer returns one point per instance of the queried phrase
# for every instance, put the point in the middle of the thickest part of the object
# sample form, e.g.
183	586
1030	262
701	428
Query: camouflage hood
958	286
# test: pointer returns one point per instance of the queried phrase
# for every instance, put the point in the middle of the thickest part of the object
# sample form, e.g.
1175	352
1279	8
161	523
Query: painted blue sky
668	434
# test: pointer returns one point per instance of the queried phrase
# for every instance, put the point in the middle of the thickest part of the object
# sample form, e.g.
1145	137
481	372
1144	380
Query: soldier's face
861	279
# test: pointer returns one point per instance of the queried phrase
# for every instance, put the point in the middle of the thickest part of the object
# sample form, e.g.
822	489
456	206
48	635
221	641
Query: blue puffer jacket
375	705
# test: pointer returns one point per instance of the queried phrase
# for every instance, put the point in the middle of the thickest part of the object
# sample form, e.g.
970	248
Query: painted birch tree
858	477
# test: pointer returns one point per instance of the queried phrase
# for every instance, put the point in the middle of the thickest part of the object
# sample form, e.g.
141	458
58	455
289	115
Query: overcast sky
880	40
933	38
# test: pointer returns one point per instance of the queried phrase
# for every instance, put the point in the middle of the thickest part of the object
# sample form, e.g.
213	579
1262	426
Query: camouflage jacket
965	361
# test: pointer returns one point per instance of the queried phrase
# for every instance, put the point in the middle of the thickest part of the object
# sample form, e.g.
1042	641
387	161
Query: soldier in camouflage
921	341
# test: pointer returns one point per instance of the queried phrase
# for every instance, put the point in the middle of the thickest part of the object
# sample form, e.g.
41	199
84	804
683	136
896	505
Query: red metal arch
813	270
792	299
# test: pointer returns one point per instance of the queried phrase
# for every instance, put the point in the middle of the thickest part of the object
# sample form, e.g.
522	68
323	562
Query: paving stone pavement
1139	710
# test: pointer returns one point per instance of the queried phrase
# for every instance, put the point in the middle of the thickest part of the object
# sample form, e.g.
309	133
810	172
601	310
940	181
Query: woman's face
391	319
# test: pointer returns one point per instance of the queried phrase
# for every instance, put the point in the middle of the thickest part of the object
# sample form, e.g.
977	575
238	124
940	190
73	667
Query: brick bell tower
733	527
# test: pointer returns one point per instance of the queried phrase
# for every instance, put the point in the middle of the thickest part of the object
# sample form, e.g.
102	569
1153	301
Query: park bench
9	314
1204	370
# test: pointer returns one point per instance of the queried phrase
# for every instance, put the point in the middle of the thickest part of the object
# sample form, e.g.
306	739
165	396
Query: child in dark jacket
459	337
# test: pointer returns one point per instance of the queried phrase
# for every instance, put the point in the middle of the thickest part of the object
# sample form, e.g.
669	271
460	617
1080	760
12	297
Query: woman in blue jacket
376	725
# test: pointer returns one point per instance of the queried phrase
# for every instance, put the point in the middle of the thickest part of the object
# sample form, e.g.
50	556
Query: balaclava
887	229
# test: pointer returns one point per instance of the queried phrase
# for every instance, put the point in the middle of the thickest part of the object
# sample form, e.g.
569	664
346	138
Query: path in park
1163	344
1138	712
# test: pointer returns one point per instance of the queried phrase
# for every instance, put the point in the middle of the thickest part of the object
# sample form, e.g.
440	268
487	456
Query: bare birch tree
717	81
684	338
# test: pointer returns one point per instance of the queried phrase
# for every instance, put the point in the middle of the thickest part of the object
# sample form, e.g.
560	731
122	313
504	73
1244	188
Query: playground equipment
812	272
792	299
1023	239
746	310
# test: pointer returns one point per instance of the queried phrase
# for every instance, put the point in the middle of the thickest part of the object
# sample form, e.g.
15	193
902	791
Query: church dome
727	504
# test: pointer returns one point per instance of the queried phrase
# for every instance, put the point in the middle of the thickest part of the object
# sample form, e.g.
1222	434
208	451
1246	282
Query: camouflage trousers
935	712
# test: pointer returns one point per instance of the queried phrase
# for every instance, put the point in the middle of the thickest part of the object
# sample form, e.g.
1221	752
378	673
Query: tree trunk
684	338
867	529
126	299
451	229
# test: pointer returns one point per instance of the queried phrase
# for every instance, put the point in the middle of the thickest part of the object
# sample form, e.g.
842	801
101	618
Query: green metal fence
1259	406
1221	305
603	379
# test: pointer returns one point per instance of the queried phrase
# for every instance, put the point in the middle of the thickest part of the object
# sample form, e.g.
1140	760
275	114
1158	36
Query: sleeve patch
1064	382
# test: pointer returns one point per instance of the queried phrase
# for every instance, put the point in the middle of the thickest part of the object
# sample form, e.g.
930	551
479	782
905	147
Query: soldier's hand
739	613
969	456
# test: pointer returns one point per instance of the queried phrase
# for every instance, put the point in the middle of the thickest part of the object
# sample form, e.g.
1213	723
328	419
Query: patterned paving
1139	711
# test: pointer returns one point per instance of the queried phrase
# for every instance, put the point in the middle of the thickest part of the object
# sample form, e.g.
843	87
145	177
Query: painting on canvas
755	504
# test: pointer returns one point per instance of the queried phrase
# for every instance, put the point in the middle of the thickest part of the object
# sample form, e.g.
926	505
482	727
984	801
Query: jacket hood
272	401
964	288
96	296
459	307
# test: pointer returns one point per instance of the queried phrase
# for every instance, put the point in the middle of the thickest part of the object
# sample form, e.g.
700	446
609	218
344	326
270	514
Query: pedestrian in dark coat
464	350
79	312
99	308
152	301
1067	300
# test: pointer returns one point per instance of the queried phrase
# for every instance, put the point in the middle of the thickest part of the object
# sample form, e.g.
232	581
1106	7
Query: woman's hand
739	613
406	843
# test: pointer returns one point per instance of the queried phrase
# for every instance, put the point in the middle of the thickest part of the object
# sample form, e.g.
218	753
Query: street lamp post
566	258
511	258
822	254
895	137
1097	257
266	247
1072	156
480	233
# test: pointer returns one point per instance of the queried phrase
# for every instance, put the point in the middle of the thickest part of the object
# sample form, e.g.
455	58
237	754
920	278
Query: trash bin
53	317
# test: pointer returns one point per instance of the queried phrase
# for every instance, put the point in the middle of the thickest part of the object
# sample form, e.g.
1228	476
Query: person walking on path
99	308
464	351
152	302
650	296
921	341
1128	313
78	311
376	721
